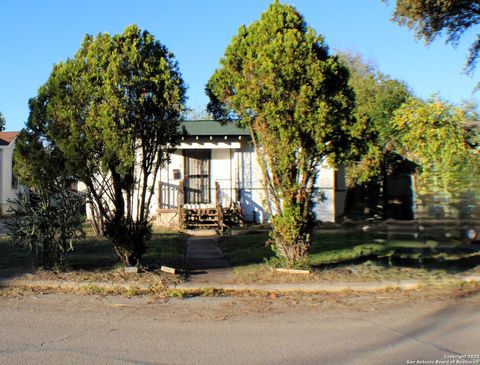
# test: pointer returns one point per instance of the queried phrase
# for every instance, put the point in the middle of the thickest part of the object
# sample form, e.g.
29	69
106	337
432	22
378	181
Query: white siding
166	184
324	198
7	192
250	184
221	172
239	175
253	197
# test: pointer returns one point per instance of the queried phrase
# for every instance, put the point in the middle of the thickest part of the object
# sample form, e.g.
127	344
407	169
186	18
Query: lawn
352	254
327	247
95	255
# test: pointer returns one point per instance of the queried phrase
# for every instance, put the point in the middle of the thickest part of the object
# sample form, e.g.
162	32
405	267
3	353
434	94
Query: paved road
387	328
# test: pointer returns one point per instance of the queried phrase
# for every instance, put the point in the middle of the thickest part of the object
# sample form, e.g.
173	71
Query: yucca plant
47	222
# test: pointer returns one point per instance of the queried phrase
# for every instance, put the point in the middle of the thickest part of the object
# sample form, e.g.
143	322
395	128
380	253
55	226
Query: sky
34	35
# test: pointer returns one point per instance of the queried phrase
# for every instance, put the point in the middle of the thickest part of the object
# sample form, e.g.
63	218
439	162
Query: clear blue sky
34	35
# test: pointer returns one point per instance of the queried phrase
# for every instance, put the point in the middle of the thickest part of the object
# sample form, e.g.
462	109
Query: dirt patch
115	276
115	282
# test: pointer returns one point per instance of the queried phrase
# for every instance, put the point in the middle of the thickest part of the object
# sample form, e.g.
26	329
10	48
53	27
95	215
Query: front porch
175	202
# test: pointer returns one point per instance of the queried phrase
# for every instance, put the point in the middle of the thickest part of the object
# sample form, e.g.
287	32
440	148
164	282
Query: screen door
197	176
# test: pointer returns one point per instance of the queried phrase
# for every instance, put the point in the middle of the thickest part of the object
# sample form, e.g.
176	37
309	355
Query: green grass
348	255
334	247
12	257
246	248
251	248
96	254
166	249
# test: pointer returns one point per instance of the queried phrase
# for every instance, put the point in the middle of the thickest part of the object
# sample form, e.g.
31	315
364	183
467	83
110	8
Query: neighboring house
217	164
9	183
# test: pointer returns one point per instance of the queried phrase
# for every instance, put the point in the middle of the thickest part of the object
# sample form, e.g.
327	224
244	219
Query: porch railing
172	197
168	195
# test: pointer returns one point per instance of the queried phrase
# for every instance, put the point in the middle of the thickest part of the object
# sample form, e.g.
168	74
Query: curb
265	288
326	287
304	287
72	285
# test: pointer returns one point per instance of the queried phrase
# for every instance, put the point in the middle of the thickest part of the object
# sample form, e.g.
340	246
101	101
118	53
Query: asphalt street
372	329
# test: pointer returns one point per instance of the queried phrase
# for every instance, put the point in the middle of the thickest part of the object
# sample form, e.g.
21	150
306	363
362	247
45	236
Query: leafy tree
37	161
432	18
278	79
471	129
377	96
109	116
47	222
433	135
2	122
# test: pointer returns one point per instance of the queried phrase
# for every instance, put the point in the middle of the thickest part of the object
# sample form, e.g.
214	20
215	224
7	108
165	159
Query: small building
9	182
216	165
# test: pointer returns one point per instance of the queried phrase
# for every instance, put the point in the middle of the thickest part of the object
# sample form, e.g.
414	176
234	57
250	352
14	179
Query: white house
217	164
9	183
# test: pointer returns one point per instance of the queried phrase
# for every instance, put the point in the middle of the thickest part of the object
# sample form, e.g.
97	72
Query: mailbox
177	175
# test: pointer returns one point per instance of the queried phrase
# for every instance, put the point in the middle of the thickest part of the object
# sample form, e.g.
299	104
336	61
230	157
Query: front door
197	176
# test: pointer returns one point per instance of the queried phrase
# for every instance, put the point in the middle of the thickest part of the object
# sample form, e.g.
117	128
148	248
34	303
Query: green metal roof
213	128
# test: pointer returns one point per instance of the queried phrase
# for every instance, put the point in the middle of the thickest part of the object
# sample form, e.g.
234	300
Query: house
216	165
9	183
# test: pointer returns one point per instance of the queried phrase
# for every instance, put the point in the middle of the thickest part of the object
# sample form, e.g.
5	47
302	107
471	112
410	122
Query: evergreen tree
278	79
109	116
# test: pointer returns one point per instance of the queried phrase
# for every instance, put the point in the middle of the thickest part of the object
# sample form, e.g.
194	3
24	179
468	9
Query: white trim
208	145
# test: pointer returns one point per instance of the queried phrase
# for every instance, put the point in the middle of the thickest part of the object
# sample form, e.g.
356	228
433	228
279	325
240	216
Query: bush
47	222
128	238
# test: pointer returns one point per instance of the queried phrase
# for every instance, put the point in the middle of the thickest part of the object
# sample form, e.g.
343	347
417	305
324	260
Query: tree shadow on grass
451	267
13	261
93	255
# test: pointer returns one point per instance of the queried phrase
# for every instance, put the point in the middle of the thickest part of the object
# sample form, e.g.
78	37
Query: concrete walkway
205	260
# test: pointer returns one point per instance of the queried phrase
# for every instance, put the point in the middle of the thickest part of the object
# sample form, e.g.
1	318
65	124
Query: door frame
203	188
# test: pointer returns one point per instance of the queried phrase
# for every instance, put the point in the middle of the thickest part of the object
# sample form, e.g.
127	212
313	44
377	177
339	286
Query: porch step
203	217
199	206
213	224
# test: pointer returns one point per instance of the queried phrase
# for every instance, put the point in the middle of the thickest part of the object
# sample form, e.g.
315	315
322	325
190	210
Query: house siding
251	191
221	172
325	195
235	167
7	192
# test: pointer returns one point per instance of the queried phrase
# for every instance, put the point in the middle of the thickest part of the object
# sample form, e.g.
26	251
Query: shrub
47	222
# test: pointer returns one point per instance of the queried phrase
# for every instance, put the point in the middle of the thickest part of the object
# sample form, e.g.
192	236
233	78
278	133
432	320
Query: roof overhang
208	145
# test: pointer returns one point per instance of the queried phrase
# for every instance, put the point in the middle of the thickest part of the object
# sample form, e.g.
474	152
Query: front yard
352	255
93	259
341	255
